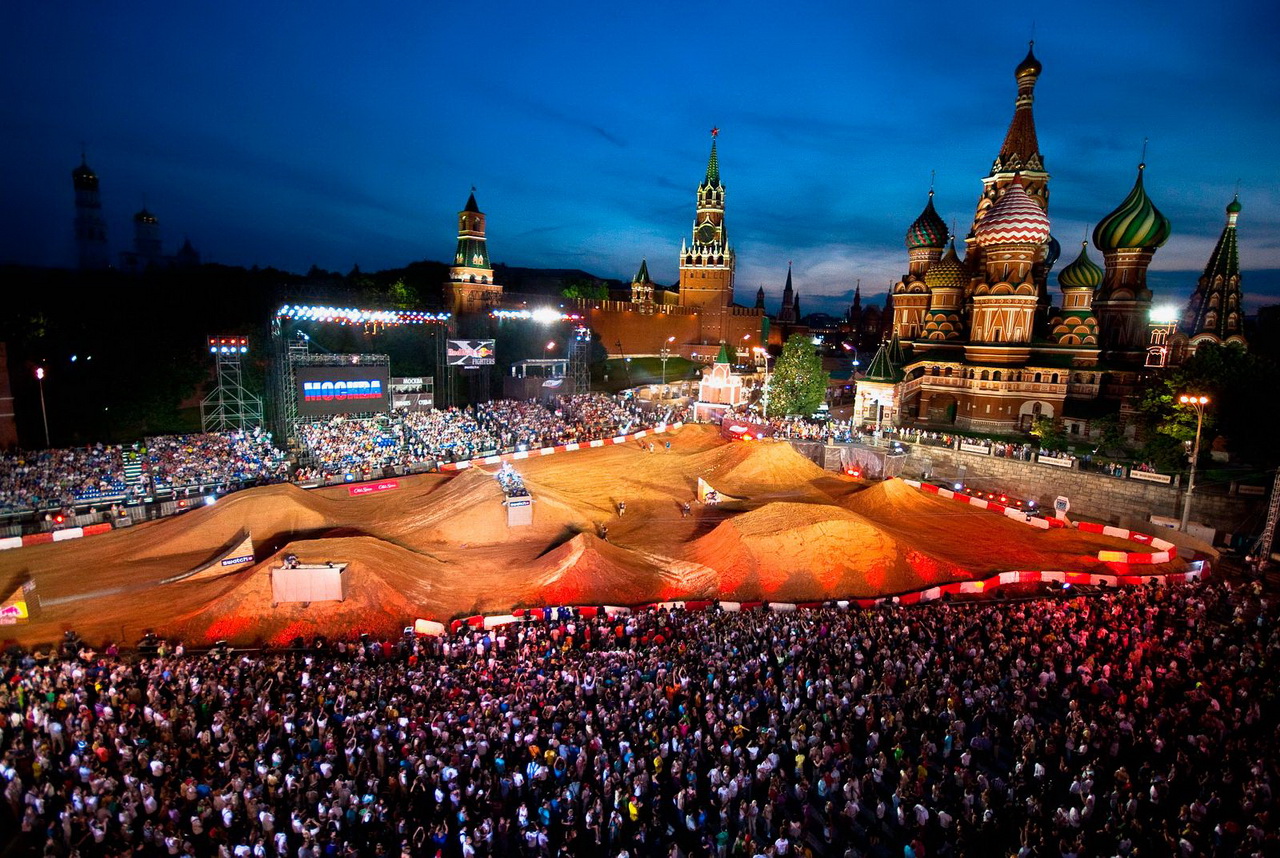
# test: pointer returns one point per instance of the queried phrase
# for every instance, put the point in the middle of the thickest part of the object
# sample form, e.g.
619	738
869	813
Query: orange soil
439	547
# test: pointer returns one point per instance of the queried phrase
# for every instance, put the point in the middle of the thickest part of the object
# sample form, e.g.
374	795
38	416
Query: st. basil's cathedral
978	343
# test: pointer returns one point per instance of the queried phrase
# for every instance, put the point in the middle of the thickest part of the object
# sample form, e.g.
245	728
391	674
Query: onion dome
1233	207
1014	219
1084	273
1135	225
948	272
1030	66
929	230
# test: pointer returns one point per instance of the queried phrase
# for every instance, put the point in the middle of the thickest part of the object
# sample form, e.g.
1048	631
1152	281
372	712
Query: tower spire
1214	313
713	162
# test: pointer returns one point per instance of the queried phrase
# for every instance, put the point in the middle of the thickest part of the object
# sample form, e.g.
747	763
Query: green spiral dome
1084	273
1136	224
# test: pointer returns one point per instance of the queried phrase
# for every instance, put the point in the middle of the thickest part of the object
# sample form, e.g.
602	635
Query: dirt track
439	547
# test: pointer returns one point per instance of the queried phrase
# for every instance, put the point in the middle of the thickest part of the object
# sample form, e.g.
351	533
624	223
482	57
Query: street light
765	354
1198	403
44	414
664	355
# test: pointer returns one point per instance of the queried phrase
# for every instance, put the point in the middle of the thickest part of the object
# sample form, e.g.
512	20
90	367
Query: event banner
326	390
471	352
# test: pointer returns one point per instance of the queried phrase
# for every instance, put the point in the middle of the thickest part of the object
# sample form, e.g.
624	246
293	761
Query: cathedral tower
1012	237
470	287
946	280
1020	158
1128	239
1214	314
146	238
90	228
925	239
1075	324
706	265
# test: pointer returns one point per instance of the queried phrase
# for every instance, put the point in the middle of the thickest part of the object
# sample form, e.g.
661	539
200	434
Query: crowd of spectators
1132	723
221	459
345	445
55	478
78	477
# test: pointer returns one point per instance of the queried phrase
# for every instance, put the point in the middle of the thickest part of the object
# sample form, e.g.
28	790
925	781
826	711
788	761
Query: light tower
229	406
580	359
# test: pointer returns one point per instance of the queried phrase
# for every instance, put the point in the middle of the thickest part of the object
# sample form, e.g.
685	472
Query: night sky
341	134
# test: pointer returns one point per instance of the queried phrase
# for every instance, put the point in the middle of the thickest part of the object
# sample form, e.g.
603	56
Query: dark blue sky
337	134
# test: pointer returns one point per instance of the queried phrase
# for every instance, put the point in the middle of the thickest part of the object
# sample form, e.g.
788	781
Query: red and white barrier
1165	551
561	448
56	536
931	594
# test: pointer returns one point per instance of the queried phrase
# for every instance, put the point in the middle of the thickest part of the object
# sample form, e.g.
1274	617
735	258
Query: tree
1049	433
799	383
579	288
1242	409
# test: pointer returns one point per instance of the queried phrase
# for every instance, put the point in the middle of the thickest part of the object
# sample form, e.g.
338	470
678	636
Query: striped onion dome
1084	273
1136	224
1014	219
947	273
929	230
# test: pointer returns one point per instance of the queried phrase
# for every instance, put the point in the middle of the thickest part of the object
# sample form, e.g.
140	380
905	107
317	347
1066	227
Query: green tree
1049	432
579	288
799	383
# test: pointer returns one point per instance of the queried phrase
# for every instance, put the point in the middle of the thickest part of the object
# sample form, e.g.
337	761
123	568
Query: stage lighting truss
369	319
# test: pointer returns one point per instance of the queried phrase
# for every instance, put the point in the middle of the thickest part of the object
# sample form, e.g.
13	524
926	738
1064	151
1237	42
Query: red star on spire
715	132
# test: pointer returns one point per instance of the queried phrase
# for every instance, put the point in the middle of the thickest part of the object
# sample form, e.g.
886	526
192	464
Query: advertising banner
330	390
371	488
471	352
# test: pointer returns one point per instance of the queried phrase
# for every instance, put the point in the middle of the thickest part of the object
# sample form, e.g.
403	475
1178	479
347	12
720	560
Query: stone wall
1098	497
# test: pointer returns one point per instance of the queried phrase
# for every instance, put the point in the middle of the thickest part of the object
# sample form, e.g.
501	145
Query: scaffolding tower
229	406
580	359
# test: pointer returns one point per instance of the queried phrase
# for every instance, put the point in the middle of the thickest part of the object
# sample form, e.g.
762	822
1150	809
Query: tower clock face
706	233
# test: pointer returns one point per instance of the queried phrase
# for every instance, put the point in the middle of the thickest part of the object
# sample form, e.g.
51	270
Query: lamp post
1198	403
43	413
664	354
765	354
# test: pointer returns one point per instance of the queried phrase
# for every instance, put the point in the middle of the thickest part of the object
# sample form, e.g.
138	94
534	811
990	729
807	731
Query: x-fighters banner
324	390
471	352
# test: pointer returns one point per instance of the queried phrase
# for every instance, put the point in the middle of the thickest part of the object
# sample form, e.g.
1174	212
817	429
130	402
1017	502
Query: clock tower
706	265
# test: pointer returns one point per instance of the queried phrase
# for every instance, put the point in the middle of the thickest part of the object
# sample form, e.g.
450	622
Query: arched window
1037	378
985	376
995	376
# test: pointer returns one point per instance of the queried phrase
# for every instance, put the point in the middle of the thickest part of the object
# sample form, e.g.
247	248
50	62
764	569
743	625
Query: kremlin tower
470	287
707	265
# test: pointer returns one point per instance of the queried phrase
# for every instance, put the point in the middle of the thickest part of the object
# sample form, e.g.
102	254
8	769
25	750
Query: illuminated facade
471	288
987	346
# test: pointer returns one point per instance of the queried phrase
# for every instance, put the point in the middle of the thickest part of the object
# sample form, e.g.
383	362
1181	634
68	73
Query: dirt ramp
799	551
587	570
385	585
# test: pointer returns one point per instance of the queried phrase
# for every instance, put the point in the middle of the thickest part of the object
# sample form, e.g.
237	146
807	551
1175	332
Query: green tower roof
724	356
1084	273
642	276
1136	224
713	166
1225	261
928	230
882	368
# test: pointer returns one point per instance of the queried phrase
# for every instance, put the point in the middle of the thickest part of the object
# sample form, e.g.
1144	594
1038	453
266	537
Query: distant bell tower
706	265
90	228
470	287
146	238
